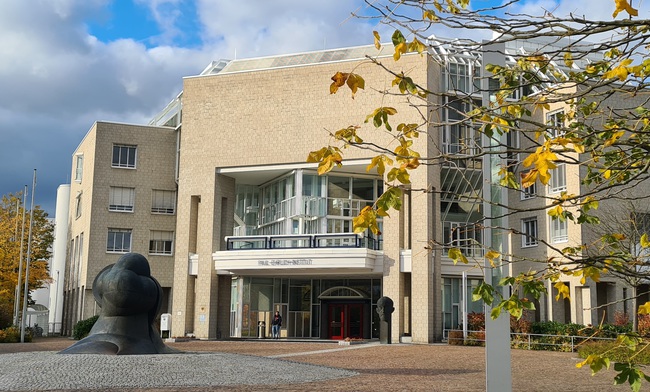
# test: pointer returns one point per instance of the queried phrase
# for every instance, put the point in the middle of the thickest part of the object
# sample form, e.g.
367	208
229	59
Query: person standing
276	323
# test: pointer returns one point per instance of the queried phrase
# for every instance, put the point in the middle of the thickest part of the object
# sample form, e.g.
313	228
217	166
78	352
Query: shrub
455	338
475	339
519	326
621	319
83	327
475	321
6	315
12	335
643	326
616	352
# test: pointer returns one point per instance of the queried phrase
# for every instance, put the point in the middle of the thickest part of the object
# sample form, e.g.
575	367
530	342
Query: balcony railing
340	240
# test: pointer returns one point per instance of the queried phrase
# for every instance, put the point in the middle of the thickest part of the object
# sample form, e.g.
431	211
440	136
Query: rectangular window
512	145
119	241
124	156
529	230
555	123
79	168
459	136
161	242
558	179
529	192
559	230
77	208
121	199
163	202
458	77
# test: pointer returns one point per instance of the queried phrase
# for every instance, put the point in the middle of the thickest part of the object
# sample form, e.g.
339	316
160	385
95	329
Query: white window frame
163	202
558	179
79	167
124	154
457	80
161	242
559	230
553	120
458	137
125	237
121	199
530	230
78	205
529	193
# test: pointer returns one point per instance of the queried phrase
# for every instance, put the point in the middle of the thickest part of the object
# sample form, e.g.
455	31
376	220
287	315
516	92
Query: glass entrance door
355	321
336	321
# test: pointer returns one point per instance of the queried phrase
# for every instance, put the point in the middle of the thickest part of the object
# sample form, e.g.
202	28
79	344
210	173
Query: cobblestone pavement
288	366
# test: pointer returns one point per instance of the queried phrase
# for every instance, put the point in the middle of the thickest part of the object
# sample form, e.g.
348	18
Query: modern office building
217	193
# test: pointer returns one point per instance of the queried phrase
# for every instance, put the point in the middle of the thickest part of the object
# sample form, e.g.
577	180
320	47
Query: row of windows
122	199
124	156
160	242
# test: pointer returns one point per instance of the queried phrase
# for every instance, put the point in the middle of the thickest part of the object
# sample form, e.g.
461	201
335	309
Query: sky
65	64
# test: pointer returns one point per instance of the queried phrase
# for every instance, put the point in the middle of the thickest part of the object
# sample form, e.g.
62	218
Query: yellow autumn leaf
556	213
528	179
644	240
562	291
355	82
620	71
338	80
400	49
377	40
491	256
623	5
456	255
645	308
429	14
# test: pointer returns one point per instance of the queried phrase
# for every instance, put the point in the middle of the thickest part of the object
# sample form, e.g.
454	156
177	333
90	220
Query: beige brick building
253	229
122	198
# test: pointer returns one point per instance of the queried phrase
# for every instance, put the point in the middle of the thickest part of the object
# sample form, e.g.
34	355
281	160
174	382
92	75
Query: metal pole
29	259
20	263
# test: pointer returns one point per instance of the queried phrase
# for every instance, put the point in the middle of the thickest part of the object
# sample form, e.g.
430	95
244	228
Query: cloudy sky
65	64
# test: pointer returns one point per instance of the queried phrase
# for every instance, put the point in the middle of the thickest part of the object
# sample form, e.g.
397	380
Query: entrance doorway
345	321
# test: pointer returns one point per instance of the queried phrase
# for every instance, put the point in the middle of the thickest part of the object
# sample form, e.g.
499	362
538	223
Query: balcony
345	253
341	240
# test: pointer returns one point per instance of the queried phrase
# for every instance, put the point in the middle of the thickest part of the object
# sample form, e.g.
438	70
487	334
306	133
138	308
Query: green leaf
485	292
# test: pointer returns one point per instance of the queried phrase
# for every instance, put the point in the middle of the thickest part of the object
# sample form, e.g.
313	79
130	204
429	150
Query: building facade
122	199
236	224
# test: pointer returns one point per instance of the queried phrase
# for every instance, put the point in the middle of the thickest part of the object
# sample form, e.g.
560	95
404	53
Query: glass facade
306	306
452	301
302	202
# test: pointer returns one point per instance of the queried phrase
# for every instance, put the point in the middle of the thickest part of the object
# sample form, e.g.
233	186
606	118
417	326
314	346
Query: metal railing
528	341
336	240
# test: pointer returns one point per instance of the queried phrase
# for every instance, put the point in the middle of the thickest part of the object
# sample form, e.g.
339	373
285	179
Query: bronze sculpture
130	300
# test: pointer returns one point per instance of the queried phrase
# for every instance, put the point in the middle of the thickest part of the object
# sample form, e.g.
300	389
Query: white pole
29	259
20	263
464	304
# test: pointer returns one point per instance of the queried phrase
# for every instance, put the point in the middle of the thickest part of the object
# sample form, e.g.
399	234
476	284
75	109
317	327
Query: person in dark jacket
276	323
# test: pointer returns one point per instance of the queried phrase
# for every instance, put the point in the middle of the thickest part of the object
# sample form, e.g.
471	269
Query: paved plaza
269	365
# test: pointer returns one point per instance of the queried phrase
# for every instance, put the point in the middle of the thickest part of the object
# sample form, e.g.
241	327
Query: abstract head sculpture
130	300
385	308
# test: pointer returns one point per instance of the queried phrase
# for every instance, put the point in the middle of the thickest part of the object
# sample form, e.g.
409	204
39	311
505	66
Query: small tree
11	214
